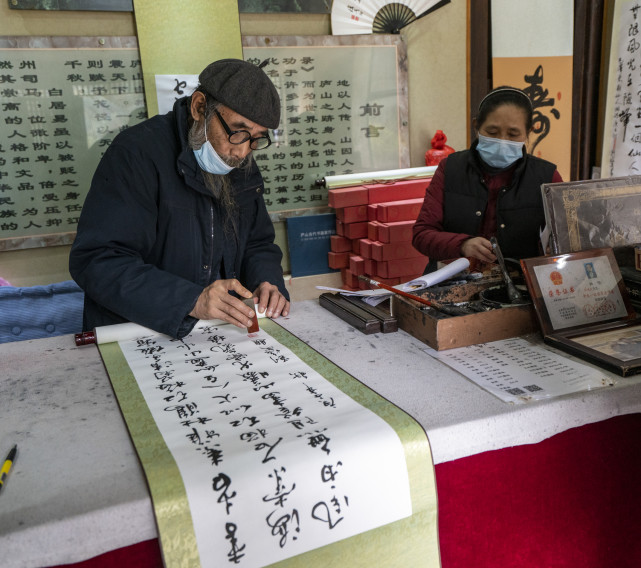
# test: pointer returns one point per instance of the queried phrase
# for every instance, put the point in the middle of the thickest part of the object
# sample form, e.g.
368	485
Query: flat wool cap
244	88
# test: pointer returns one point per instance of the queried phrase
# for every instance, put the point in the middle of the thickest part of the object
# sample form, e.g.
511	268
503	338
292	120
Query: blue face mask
499	153
209	160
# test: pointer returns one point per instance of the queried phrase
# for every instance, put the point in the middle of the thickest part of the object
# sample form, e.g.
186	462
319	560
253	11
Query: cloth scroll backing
299	501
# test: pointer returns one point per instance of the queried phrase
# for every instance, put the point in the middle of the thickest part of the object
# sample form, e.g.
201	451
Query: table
77	489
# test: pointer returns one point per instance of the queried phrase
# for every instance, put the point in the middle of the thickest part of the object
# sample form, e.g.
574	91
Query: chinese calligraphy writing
61	108
264	444
334	121
540	101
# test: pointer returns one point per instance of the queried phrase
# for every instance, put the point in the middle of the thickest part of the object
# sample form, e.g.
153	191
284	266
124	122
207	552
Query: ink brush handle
395	290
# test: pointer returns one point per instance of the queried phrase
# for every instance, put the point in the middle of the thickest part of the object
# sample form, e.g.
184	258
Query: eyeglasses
241	136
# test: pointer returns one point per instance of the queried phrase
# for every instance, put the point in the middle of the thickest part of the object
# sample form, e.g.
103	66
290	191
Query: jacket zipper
211	244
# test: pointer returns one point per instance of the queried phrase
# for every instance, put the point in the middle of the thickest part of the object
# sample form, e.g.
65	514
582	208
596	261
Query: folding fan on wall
376	16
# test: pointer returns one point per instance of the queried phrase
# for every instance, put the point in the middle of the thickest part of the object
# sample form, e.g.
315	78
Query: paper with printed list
274	458
522	369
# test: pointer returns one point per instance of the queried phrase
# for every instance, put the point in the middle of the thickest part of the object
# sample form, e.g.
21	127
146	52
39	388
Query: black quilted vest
519	215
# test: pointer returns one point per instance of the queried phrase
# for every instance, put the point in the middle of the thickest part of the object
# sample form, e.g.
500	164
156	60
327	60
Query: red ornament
439	149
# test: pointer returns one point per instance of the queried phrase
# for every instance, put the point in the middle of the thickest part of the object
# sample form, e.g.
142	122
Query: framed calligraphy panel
344	110
63	100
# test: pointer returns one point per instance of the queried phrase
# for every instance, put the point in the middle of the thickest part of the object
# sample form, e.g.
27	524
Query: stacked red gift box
374	232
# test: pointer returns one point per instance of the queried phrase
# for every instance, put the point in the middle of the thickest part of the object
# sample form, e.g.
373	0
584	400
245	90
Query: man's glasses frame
242	136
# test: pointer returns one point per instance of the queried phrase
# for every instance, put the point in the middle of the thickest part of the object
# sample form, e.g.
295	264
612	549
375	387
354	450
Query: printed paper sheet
519	370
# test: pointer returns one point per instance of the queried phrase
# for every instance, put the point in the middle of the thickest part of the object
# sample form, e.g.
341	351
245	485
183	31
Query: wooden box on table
447	332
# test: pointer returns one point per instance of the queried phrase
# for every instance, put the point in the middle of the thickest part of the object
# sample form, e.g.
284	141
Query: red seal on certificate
556	278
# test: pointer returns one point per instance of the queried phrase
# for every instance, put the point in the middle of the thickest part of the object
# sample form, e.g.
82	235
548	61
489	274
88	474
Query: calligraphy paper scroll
253	457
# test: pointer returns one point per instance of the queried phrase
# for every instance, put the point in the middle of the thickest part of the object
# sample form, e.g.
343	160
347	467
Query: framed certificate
583	307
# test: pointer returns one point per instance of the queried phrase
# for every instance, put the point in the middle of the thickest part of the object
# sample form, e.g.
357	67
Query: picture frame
50	151
583	308
591	214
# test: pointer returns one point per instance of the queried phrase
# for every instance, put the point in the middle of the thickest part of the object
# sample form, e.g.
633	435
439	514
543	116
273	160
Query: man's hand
270	299
215	302
479	248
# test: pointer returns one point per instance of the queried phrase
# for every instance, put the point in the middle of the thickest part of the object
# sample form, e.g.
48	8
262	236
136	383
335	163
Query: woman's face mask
502	135
499	153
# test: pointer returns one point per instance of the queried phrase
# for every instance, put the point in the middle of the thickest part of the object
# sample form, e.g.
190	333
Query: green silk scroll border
412	541
169	498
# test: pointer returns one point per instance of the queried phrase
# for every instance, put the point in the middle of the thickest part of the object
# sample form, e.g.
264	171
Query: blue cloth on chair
40	311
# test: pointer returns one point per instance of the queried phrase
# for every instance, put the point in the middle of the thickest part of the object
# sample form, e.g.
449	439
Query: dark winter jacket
151	236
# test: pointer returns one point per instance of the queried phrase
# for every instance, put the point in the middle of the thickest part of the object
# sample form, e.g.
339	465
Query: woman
491	190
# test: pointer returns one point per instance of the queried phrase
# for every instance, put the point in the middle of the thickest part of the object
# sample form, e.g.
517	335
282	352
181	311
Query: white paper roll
121	332
425	281
347	180
438	276
126	331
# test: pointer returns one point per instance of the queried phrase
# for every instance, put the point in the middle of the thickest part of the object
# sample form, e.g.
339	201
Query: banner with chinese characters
343	111
258	450
542	68
62	103
621	137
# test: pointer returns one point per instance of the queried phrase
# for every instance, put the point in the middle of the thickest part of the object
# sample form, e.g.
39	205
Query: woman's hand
270	299
215	302
479	248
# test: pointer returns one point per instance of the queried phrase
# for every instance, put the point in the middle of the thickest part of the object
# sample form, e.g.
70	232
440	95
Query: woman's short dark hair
505	96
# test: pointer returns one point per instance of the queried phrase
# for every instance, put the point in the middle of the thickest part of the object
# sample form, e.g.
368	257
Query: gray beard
221	189
219	185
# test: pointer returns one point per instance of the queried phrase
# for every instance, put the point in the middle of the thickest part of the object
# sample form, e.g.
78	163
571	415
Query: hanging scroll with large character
542	68
621	138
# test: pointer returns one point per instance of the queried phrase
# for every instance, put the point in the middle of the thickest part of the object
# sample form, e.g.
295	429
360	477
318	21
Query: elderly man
175	228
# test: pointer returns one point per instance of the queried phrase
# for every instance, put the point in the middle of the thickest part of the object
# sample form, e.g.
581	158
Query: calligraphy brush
396	291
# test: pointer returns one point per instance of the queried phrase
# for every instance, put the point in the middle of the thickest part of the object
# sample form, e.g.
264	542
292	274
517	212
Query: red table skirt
571	501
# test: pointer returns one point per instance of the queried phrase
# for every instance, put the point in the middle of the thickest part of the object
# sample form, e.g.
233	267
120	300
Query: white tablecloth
77	489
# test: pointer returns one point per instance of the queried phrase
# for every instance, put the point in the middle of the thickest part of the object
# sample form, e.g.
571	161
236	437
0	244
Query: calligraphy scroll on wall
542	67
621	137
63	101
